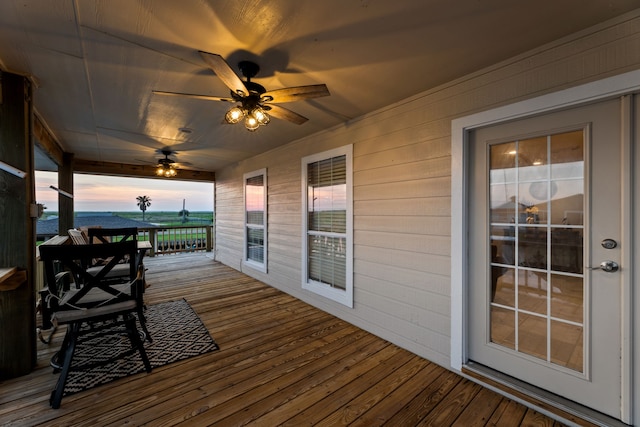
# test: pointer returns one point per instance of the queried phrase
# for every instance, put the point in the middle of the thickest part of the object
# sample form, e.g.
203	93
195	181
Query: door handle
607	266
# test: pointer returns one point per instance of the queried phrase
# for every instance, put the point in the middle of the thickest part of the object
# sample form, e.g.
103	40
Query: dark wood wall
17	227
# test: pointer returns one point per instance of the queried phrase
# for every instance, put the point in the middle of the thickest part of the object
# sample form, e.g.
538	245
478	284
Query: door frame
616	86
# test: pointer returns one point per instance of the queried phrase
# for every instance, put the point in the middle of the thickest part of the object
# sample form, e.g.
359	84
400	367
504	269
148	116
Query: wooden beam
124	169
46	141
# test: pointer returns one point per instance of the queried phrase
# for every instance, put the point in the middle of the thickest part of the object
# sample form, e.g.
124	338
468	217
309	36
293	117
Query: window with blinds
328	224
255	202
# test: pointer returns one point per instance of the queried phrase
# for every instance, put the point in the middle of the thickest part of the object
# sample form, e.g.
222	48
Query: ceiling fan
256	104
166	167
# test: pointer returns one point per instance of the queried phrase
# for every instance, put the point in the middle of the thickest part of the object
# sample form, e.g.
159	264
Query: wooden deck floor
281	362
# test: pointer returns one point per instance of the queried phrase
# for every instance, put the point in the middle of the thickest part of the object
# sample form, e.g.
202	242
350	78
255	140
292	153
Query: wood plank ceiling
95	63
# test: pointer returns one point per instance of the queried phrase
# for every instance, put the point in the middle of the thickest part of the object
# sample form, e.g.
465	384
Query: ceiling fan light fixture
234	115
166	171
251	98
166	167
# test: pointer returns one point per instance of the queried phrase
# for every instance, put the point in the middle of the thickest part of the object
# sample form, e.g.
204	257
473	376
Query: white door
545	204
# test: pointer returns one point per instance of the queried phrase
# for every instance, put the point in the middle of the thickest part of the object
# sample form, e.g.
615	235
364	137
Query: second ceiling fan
256	104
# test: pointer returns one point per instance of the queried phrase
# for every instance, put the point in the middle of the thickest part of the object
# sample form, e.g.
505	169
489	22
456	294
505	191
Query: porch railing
164	240
177	239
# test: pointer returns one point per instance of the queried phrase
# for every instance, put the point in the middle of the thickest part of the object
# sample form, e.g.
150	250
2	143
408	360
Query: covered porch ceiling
94	64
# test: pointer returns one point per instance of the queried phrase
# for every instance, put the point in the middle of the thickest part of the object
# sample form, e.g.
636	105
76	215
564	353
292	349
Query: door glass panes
566	297
536	215
567	345
532	247
503	327
504	286
532	291
532	335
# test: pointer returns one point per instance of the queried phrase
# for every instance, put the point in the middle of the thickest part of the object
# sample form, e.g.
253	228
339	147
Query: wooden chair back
95	288
106	235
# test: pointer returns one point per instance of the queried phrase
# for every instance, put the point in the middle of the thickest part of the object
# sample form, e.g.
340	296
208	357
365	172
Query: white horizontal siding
436	245
429	206
402	188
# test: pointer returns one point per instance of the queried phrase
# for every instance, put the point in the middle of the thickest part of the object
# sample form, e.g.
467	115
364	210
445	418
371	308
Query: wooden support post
17	228
65	203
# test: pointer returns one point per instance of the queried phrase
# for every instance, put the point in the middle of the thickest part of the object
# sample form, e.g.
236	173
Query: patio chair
99	235
106	305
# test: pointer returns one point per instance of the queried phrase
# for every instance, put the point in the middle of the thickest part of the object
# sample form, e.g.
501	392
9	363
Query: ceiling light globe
261	116
234	115
251	123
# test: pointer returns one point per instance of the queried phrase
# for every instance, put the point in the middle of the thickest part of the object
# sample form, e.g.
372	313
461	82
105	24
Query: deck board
281	362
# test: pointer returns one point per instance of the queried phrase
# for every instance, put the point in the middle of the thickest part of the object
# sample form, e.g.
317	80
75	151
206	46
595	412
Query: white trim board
589	92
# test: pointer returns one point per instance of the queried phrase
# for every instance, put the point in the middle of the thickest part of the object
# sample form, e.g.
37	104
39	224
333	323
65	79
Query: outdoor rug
177	333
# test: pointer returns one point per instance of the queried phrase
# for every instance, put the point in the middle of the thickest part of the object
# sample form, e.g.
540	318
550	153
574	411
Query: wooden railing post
209	240
153	240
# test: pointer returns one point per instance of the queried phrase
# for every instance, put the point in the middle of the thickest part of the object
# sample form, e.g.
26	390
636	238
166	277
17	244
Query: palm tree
143	203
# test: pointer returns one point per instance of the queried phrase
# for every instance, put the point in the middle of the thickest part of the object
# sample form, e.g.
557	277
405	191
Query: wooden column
17	228
65	204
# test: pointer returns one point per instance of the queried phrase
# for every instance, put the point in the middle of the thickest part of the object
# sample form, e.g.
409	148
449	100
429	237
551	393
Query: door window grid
532	247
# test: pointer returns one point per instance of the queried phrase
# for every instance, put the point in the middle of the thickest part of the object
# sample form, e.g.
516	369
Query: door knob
608	266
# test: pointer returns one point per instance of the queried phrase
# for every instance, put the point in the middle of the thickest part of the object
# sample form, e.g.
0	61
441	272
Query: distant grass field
167	218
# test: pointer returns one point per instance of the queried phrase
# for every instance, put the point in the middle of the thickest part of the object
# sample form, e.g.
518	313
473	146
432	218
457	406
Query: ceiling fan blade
290	94
284	114
193	95
225	73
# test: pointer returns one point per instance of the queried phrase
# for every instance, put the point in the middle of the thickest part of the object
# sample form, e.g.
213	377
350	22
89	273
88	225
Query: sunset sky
106	193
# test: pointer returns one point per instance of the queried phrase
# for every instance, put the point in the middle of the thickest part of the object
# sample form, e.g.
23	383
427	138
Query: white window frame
344	297
245	258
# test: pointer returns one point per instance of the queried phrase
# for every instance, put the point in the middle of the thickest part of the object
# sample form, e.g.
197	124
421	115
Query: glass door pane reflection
567	345
567	298
536	205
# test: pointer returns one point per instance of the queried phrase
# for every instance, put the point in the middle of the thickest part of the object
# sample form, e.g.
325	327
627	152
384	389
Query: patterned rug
177	333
